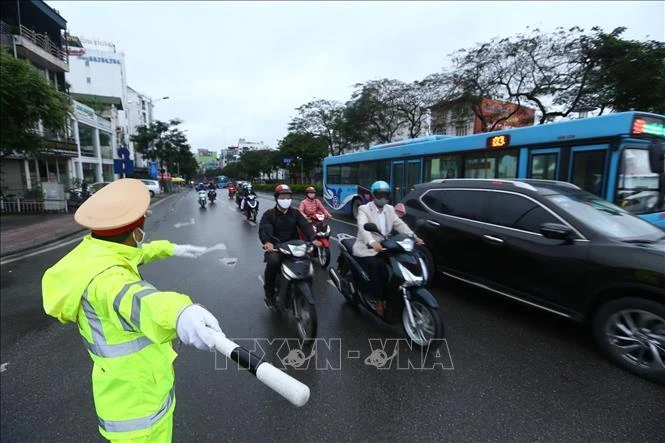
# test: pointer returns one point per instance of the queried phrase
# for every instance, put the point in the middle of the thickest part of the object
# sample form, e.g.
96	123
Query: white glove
193	327
188	251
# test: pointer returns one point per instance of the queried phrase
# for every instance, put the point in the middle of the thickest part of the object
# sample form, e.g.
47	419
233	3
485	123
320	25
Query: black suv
555	247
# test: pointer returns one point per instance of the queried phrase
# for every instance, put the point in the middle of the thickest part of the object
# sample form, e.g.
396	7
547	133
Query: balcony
60	145
40	49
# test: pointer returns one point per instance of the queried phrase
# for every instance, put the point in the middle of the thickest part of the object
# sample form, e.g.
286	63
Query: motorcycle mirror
370	227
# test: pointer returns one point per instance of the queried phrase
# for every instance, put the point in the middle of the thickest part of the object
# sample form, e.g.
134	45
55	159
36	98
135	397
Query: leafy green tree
26	98
324	119
628	74
375	107
306	152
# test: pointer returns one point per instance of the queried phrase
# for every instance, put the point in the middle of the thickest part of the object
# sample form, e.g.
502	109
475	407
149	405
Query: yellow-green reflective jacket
127	326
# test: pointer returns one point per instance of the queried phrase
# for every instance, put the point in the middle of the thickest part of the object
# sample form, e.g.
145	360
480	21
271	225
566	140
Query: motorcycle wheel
324	256
305	314
345	277
428	325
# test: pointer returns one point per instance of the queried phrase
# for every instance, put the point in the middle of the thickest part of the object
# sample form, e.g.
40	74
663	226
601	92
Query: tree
414	100
628	74
323	119
548	71
375	106
26	98
306	152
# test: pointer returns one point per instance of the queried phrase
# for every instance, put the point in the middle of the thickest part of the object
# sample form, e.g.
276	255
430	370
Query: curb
9	255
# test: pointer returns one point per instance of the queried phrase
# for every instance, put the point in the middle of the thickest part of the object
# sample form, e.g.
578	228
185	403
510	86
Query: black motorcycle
294	287
409	302
251	207
212	195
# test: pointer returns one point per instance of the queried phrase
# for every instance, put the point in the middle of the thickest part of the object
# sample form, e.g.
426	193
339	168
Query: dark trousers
378	274
273	261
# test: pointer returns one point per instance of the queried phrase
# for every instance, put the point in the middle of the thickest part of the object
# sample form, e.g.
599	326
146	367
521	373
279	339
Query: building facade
139	113
95	143
34	32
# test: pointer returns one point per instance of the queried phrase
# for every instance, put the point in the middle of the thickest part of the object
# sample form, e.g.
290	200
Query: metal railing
18	205
44	42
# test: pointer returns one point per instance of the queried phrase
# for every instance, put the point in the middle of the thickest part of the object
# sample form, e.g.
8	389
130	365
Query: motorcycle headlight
407	244
298	251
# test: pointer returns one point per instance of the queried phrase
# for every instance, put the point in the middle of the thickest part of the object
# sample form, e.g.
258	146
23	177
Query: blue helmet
380	186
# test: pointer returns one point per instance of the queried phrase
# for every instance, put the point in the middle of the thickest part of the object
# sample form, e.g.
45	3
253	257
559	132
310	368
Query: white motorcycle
203	198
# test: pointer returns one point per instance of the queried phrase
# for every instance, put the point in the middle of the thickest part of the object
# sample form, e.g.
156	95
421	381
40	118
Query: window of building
87	62
87	140
87	80
588	167
89	172
107	172
105	145
460	130
444	166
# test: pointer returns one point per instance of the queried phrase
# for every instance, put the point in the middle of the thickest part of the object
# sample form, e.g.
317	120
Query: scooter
212	195
294	288
409	302
203	198
232	192
322	232
251	207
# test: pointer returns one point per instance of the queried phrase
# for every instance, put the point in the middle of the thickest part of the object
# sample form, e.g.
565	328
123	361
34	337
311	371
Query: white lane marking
41	251
3	367
180	225
217	247
230	262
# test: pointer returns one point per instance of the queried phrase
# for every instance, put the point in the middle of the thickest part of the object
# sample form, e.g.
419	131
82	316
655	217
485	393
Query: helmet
309	189
378	186
282	189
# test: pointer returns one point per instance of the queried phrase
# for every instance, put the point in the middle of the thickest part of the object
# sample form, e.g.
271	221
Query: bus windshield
637	190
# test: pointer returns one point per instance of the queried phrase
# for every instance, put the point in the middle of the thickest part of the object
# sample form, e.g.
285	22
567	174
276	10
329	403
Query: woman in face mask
383	215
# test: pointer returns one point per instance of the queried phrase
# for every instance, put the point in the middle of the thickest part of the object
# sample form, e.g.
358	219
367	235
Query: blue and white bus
606	155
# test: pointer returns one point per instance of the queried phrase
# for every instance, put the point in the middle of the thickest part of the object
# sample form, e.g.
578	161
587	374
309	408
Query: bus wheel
355	206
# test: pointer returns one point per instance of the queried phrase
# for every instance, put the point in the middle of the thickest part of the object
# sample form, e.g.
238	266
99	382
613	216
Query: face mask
311	196
380	202
143	237
284	204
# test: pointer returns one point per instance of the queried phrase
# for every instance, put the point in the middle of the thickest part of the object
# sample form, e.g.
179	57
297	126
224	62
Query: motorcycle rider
280	224
312	205
368	244
246	192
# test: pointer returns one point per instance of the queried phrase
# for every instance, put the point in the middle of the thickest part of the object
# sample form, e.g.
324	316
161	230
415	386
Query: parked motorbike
251	207
322	232
294	287
408	301
212	195
203	198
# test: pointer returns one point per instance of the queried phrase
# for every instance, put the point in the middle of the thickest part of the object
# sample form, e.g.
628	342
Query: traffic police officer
126	324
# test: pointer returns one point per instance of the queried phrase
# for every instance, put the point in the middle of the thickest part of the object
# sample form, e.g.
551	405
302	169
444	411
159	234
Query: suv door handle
433	223
492	239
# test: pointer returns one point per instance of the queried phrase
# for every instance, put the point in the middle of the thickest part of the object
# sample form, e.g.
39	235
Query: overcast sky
238	69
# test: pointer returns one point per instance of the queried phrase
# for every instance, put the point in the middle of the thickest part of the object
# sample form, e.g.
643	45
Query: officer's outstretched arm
137	306
157	250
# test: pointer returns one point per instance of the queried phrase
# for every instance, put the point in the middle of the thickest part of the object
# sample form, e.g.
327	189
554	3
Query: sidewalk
20	233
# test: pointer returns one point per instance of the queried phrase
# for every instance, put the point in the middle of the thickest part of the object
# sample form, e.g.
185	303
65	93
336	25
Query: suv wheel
152	194
631	333
355	206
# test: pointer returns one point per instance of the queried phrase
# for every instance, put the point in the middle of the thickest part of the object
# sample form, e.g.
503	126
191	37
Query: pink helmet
399	207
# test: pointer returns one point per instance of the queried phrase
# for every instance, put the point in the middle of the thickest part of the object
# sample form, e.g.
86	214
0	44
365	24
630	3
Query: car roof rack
519	182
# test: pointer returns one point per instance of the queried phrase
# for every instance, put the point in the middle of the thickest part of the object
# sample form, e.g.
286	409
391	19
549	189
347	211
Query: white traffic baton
294	391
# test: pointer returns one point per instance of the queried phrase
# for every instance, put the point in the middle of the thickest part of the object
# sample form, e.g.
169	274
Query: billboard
495	110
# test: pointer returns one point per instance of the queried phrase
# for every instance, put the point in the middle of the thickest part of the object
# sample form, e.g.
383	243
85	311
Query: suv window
460	203
518	212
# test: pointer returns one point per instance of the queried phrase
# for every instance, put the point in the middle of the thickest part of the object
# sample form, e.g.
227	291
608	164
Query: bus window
383	171
507	167
367	173
334	175
479	166
588	167
543	166
637	189
445	166
349	174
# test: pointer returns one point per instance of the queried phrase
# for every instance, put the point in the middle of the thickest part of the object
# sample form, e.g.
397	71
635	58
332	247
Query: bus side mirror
657	157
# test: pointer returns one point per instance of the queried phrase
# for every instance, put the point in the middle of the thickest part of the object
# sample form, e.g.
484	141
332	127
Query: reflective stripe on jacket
126	325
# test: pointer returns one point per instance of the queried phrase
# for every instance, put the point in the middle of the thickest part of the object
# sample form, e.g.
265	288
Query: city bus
222	181
613	156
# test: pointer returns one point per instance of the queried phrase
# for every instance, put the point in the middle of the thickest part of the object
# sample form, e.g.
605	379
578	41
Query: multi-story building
93	134
139	113
246	145
33	31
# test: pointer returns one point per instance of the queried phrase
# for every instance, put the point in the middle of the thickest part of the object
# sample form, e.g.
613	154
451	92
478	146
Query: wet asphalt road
518	374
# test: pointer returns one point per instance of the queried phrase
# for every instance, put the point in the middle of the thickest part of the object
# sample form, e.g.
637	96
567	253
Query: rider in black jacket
280	224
